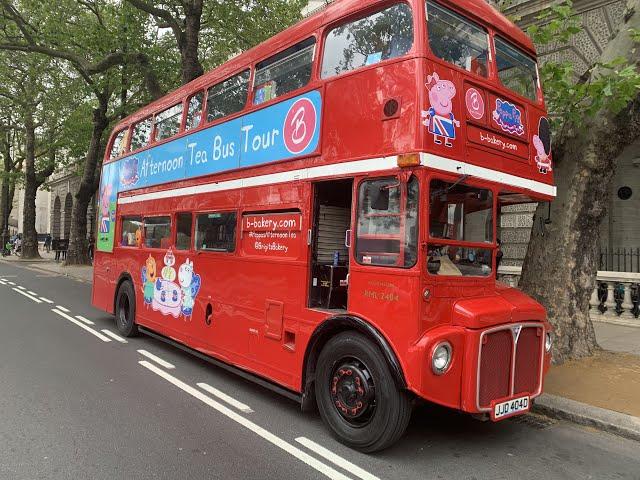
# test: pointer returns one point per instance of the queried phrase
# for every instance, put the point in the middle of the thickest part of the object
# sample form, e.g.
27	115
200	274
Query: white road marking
156	359
21	287
226	398
11	283
31	292
46	300
3	282
114	336
85	320
336	459
27	295
236	417
81	325
60	307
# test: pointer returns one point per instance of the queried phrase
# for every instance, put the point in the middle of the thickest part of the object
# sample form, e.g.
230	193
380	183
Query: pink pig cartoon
439	119
105	200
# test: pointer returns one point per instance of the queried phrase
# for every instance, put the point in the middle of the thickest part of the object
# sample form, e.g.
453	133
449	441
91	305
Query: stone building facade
63	186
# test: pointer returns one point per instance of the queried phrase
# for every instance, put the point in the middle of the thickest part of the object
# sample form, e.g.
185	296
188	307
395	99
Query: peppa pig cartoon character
190	285
439	119
105	210
542	144
149	277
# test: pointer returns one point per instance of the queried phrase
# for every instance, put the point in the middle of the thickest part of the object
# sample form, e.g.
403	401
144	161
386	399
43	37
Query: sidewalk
47	263
602	391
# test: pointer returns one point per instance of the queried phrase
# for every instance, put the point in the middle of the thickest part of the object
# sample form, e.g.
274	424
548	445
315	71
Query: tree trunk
5	201
29	234
562	260
78	245
190	42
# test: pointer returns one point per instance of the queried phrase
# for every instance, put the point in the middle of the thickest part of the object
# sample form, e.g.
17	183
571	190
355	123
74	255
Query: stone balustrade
616	298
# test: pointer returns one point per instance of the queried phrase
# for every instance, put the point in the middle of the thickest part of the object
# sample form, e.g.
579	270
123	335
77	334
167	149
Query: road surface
78	402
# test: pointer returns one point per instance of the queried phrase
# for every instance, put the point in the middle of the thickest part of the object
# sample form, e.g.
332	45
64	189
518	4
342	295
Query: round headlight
548	342
441	358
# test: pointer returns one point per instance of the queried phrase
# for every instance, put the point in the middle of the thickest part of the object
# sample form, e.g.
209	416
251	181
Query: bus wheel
357	396
126	310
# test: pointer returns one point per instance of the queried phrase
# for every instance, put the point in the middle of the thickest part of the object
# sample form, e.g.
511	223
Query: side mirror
379	198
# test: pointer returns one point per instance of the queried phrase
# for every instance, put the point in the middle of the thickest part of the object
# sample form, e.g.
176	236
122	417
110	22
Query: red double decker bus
321	213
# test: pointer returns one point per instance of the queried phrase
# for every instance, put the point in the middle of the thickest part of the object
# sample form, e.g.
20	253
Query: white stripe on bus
347	168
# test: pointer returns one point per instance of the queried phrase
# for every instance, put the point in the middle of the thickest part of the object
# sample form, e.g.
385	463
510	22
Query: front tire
357	396
126	310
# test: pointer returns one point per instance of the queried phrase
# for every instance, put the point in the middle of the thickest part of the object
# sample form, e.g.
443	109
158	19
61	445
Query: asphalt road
76	403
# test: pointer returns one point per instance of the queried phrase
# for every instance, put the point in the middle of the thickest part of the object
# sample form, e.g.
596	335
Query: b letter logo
300	126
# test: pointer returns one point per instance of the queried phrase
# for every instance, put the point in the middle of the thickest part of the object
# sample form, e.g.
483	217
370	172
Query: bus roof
478	10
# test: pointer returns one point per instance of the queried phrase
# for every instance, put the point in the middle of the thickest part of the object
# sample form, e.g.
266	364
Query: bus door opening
330	254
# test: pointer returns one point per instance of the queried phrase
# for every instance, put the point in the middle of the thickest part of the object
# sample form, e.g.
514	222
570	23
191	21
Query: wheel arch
328	329
124	277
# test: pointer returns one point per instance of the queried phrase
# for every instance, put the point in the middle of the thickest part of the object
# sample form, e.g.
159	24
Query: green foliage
605	87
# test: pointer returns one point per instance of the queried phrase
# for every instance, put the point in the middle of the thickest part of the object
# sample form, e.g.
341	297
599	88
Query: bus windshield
459	215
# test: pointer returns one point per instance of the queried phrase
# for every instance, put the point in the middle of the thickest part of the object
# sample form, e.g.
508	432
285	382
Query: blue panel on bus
282	131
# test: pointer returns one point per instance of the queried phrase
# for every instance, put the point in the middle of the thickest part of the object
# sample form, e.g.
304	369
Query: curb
38	265
617	423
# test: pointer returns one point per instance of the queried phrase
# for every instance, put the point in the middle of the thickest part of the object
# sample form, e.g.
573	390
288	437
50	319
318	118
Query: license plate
510	407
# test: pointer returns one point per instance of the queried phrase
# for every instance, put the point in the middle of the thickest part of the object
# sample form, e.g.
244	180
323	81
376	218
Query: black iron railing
620	260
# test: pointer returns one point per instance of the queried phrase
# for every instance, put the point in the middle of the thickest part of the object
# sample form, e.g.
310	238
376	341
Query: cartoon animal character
168	272
439	119
190	284
105	204
129	172
149	278
542	144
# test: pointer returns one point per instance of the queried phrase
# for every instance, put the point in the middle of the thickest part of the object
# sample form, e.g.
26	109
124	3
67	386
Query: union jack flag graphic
443	126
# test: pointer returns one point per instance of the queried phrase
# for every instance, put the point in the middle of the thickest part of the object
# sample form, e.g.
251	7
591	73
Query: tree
11	168
88	36
595	119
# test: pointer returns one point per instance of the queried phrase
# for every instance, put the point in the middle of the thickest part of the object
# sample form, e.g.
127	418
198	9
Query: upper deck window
141	134
516	70
284	72
385	34
168	122
194	111
457	40
119	144
227	97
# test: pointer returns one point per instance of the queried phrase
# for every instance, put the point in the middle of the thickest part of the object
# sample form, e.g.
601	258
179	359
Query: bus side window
119	144
141	134
194	111
228	97
284	72
457	40
131	234
216	232
380	36
184	221
157	232
168	122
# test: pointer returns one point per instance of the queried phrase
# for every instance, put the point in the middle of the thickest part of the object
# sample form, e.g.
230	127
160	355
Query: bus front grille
510	363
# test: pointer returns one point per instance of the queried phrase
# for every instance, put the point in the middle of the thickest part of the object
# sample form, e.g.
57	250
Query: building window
168	122
141	134
367	41
516	70
183	227
285	72
457	40
228	97
624	193
157	232
131	232
216	232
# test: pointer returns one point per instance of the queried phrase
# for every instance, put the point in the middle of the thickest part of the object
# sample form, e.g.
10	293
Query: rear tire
126	310
357	396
